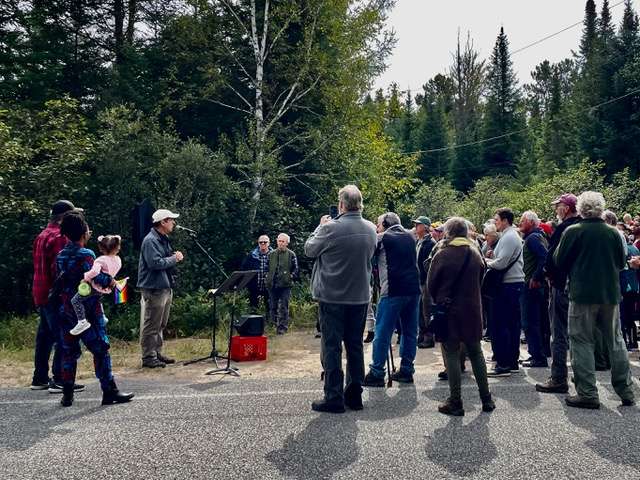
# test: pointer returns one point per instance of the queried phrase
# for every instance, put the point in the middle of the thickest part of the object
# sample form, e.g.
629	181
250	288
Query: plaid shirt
46	247
264	270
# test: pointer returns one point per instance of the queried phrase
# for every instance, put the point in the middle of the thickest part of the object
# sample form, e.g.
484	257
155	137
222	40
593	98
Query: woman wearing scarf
454	281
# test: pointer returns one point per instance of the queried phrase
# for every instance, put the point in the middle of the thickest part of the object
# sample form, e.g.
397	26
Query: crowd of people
569	285
68	284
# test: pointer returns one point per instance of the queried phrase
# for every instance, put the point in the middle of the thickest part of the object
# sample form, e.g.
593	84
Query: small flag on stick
121	292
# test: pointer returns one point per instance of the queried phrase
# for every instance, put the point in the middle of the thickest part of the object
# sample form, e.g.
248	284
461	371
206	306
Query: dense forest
246	116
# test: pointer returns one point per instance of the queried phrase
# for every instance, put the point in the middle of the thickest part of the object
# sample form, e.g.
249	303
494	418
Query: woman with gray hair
453	282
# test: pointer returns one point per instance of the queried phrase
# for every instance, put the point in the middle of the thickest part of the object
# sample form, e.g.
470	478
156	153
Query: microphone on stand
185	229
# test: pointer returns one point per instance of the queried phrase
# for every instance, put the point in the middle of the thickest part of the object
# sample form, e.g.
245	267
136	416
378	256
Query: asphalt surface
244	429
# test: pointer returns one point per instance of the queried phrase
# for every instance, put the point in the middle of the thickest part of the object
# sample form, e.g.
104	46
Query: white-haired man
534	253
343	248
592	254
283	269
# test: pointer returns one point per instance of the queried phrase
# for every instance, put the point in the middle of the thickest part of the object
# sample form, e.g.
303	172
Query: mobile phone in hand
333	211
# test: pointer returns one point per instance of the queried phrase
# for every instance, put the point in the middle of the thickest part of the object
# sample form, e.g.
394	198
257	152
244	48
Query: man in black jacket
399	300
424	245
565	206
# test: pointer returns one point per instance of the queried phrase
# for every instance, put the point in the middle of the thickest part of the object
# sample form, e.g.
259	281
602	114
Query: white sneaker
80	327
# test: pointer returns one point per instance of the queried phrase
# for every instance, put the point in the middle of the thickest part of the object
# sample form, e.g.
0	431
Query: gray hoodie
343	249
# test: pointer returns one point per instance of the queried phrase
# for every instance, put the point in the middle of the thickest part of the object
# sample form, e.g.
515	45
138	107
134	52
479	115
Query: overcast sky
426	32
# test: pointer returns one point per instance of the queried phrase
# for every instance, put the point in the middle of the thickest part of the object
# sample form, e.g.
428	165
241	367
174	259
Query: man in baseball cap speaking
156	280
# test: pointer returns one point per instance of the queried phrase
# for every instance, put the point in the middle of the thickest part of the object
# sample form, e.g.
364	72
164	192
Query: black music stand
214	356
236	281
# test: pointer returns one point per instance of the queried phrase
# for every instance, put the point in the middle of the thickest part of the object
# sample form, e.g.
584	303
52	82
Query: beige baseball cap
163	213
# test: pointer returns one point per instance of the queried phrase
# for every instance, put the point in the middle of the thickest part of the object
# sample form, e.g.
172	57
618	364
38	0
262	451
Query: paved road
245	429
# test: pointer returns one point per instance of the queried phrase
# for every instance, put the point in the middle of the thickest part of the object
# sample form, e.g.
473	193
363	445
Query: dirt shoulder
295	355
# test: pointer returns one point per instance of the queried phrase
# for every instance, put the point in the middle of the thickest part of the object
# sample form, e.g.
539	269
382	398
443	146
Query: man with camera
343	248
156	280
399	300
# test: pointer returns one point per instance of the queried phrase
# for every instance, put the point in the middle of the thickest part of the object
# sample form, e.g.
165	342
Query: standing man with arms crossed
343	248
156	279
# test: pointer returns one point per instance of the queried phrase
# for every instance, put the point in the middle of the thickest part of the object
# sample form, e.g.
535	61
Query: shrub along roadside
191	316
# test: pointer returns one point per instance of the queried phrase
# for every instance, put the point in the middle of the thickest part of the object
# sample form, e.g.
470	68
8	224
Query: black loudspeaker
250	325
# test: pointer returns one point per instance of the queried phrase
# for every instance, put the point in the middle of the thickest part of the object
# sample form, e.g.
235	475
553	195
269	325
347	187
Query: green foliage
18	332
437	199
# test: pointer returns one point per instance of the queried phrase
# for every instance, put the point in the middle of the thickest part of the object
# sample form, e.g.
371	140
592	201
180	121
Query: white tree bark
264	122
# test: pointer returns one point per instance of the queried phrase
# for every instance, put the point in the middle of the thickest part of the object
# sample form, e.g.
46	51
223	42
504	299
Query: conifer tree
502	118
407	123
589	32
468	76
434	134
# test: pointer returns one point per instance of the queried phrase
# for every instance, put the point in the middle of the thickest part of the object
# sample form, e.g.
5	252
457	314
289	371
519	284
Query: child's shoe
80	327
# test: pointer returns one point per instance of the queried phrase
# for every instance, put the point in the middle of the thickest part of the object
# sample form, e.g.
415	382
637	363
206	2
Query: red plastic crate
248	349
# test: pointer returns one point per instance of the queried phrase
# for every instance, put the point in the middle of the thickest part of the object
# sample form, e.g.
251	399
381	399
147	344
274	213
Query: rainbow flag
121	292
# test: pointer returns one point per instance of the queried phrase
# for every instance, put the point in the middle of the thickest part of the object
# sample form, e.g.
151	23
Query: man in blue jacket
534	254
156	279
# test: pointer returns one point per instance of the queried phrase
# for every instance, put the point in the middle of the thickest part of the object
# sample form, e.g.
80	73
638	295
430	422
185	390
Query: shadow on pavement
462	450
326	446
34	427
615	432
329	442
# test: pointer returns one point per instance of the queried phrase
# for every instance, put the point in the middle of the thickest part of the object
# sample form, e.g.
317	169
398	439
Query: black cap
62	206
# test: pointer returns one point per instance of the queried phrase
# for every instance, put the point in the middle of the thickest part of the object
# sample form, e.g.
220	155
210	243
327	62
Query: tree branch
239	96
240	22
217	102
235	58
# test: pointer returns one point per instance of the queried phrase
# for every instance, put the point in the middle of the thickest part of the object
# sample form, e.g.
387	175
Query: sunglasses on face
263	242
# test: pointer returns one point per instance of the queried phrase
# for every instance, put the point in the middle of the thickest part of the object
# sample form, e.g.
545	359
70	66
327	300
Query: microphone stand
214	355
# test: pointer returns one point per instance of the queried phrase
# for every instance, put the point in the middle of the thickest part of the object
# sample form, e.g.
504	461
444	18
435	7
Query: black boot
113	395
488	405
67	395
452	407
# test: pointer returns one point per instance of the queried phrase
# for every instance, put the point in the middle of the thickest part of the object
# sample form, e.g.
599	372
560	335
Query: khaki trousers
589	324
155	305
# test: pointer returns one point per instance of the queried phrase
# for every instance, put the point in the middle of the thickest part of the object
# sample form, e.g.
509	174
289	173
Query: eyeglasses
263	242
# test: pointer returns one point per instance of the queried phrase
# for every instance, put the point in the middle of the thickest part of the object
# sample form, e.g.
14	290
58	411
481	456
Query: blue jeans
531	305
47	338
505	339
391	310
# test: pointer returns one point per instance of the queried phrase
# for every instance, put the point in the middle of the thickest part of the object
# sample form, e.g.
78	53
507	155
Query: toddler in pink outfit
110	263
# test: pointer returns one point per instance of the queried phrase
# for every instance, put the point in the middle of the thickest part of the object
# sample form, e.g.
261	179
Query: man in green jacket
283	268
593	255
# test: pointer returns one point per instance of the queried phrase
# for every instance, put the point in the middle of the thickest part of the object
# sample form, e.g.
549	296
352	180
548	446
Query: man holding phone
343	248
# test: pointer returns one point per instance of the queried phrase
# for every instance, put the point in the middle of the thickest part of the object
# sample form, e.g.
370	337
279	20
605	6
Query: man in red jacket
46	247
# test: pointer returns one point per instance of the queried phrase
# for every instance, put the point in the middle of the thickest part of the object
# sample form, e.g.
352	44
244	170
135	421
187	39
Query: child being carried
110	263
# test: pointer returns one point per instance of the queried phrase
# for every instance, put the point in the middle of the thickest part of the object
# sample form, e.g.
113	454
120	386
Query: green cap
423	220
